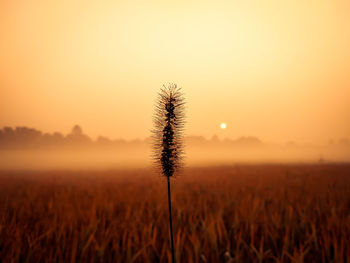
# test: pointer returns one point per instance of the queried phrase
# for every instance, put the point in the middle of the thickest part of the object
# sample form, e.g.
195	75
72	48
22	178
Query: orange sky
279	70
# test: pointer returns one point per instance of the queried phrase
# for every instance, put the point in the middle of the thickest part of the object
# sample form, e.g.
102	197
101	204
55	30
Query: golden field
241	213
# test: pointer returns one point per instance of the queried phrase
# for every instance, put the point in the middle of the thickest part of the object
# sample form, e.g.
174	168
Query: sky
278	70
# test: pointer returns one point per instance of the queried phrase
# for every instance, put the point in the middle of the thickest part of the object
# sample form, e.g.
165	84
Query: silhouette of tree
77	130
77	137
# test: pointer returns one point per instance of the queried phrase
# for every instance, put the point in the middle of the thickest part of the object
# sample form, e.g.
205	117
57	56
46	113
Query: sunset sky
278	70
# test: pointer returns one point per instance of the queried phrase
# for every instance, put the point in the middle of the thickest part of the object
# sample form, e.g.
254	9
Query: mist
78	152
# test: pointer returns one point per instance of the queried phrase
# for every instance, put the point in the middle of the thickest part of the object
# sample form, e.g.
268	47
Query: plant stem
171	222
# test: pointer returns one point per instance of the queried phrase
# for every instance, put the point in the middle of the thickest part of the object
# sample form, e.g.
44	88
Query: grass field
257	213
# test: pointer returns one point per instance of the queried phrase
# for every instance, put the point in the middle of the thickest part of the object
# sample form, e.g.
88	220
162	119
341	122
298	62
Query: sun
223	126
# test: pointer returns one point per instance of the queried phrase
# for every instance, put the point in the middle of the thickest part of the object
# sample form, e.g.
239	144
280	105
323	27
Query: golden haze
278	70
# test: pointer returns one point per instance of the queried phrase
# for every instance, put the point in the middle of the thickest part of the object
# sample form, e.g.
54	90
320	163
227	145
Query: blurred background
277	71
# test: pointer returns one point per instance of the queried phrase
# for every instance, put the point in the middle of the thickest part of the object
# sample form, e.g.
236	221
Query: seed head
168	129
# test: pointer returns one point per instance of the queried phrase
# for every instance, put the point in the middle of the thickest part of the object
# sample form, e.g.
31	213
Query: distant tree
8	131
52	140
58	135
77	130
103	142
77	137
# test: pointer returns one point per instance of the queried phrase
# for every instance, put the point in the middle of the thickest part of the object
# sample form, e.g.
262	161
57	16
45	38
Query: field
242	213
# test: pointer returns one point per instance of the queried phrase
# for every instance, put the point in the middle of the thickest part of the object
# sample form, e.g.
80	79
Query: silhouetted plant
168	134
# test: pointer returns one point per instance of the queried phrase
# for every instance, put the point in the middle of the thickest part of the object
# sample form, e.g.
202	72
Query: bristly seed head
167	134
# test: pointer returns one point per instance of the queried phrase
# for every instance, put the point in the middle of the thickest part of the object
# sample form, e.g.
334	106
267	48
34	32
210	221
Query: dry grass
224	214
